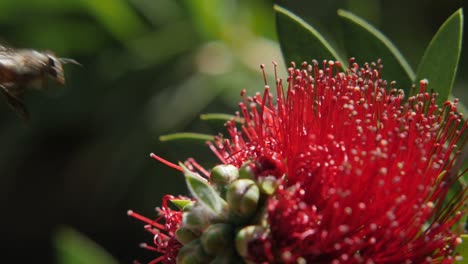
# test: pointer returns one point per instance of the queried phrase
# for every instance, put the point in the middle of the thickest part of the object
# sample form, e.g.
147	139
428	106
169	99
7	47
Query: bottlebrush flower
164	239
337	168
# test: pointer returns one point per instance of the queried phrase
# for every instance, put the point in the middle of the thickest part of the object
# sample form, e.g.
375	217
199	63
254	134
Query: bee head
55	69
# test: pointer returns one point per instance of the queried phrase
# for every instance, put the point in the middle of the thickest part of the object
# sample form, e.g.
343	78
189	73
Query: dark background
150	67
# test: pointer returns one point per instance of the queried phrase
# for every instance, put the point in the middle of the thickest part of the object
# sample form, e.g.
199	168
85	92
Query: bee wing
16	102
6	51
3	46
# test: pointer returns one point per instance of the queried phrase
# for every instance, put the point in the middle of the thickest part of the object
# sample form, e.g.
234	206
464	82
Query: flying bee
23	69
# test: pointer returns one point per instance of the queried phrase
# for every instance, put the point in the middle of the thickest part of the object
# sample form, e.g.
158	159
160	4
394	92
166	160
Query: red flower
164	239
336	169
367	171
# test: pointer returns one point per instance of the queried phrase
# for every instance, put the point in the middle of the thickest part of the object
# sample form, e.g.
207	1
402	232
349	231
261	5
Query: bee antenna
69	61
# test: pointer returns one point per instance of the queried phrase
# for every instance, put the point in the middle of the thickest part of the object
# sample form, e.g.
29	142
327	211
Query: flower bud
222	175
185	235
247	171
217	238
268	184
197	219
193	253
246	235
242	197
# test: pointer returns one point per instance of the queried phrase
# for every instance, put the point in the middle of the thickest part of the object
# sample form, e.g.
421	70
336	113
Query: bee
23	69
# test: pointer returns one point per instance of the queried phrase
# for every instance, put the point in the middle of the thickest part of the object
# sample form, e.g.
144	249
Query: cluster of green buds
227	214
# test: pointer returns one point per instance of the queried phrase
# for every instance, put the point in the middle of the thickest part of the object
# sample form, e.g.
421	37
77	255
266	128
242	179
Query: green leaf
181	204
186	136
299	41
222	117
463	247
366	44
74	248
203	192
440	61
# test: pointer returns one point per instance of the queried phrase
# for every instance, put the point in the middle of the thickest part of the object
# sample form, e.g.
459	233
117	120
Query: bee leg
15	101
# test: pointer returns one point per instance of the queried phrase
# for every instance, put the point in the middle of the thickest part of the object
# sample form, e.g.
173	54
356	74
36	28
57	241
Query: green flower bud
246	171
222	175
242	197
193	253
217	238
246	235
268	184
197	219
185	235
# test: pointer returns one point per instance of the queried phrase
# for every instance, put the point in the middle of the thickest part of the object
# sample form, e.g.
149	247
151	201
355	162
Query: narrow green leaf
74	248
222	117
186	136
203	192
366	43
299	41
440	61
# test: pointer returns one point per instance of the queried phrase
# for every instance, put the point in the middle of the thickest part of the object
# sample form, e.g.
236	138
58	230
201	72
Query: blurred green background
150	67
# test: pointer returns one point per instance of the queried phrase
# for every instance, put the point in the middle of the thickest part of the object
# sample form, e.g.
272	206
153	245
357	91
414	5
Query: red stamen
157	260
170	164
262	66
148	247
198	167
216	152
334	134
145	219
